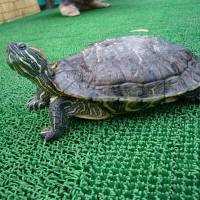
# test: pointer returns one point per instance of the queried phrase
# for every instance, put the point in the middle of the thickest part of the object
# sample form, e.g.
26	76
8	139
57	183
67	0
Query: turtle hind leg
192	95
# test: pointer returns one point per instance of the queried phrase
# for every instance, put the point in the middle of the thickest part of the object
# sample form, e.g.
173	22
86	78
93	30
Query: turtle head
27	61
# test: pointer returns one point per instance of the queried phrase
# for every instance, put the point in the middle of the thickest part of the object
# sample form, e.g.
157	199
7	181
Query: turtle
107	78
72	7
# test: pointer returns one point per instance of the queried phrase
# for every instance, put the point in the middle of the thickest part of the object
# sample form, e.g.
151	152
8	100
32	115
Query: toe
46	134
73	14
41	104
30	107
107	5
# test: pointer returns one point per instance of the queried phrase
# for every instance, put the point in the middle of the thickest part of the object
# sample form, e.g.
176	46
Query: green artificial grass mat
154	154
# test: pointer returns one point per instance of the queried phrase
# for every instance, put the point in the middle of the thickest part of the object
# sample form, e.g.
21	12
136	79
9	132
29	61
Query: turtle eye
22	46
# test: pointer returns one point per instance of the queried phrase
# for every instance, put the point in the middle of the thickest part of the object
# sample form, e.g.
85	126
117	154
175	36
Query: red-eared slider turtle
107	78
72	7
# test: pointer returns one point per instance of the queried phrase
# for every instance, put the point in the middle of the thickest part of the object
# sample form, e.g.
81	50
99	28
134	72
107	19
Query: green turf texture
154	154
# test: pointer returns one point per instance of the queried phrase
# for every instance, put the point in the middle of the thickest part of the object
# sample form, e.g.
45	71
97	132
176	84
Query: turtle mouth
11	56
11	48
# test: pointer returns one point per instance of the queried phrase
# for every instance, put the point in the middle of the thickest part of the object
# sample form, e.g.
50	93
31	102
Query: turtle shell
133	68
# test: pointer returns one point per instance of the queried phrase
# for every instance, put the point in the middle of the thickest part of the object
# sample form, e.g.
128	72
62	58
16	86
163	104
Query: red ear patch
39	52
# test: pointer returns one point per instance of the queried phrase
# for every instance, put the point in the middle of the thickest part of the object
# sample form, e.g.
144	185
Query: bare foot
99	4
69	10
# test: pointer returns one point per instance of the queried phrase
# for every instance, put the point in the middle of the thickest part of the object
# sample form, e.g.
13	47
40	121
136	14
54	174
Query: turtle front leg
39	101
57	119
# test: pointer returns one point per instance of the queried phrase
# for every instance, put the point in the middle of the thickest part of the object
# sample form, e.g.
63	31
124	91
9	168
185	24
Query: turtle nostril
22	46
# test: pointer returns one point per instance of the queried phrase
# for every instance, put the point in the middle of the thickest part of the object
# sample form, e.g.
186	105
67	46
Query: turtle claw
34	104
47	134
